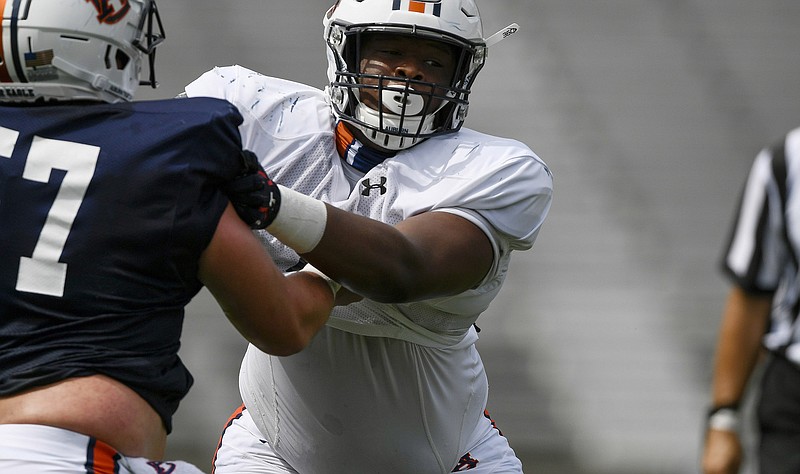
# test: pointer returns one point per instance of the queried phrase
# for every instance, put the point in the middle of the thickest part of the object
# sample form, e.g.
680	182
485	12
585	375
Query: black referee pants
779	418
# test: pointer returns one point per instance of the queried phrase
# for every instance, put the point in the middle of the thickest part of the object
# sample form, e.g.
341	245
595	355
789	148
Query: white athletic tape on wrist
724	419
300	222
334	285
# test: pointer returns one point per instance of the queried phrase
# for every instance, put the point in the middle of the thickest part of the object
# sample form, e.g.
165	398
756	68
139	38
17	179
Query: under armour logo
367	187
162	467
108	13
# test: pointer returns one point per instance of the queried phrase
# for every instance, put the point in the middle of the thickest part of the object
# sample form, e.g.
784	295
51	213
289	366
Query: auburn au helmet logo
332	9
110	11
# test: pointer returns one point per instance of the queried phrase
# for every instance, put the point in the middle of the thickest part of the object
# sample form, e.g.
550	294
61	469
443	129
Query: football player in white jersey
397	203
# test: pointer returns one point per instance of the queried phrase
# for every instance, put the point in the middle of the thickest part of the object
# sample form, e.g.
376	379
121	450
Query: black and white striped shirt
762	254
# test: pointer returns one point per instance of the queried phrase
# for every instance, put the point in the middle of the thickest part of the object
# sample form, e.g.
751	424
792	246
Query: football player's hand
255	197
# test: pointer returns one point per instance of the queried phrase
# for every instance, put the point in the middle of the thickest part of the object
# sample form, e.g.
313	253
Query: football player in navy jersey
393	383
113	215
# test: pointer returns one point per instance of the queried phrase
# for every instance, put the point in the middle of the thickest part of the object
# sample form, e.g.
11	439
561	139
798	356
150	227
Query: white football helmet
77	49
405	116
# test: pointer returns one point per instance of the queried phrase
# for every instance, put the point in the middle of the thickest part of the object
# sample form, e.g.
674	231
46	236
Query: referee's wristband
724	418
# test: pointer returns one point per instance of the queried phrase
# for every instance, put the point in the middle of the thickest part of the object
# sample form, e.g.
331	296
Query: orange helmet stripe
417	7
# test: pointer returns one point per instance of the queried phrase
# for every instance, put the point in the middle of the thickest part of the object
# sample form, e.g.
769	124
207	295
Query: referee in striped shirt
761	312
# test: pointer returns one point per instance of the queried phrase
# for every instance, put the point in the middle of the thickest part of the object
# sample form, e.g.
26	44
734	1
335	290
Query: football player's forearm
241	277
429	255
435	253
369	257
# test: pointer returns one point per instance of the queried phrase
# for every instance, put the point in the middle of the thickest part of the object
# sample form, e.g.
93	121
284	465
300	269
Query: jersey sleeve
281	117
500	180
757	246
516	199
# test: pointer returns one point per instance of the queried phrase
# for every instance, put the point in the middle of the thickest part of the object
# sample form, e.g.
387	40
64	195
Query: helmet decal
431	7
39	58
109	13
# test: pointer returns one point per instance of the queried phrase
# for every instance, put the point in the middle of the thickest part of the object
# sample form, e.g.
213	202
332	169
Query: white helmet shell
460	18
76	49
402	121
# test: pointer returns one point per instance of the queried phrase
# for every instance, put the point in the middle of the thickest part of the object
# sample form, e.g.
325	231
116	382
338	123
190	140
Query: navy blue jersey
104	212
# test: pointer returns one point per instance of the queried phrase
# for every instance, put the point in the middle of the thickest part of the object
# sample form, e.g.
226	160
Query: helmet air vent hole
122	59
75	38
107	57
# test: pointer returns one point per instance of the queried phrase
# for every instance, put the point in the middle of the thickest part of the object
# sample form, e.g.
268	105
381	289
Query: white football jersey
381	378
